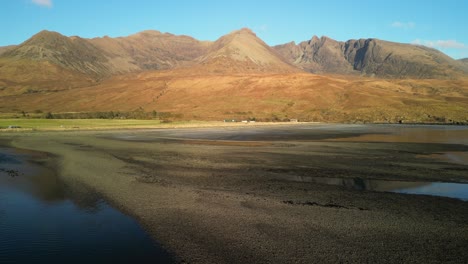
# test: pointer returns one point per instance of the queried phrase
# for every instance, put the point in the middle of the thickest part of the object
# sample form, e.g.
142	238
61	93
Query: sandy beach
228	195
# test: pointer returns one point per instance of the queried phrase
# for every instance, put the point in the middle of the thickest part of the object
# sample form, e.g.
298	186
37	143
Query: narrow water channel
43	220
443	189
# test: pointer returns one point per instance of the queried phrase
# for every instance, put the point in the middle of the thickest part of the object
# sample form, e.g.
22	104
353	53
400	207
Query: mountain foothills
237	76
465	62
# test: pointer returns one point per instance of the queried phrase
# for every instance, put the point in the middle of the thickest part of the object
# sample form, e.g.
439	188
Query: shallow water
444	189
42	220
430	135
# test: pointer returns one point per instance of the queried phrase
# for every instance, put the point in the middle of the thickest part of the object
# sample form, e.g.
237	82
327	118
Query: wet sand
222	195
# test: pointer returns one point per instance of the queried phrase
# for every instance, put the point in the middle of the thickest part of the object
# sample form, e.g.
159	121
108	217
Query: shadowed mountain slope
371	57
323	55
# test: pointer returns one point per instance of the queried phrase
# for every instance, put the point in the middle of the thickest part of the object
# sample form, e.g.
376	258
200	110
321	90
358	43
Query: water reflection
32	179
42	220
439	134
452	190
412	134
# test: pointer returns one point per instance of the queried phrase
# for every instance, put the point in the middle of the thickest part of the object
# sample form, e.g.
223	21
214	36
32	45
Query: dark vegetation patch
327	205
11	173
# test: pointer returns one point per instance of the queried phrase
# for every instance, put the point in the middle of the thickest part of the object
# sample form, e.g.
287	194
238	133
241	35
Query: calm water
43	220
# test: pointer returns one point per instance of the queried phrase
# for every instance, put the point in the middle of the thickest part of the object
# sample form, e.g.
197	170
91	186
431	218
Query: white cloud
441	44
403	25
451	47
46	3
261	28
450	44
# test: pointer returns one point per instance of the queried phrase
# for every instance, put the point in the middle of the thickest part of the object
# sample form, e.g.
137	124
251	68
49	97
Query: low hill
304	96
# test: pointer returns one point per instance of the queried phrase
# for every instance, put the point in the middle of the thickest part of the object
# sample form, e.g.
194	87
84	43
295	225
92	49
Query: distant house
293	120
13	126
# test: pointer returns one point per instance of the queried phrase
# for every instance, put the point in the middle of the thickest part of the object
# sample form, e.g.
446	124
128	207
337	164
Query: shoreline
185	124
205	206
188	124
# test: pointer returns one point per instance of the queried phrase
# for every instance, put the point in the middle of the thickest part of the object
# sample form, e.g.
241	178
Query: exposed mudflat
228	195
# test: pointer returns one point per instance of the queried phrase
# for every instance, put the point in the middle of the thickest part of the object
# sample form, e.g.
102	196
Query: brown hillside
268	96
74	54
464	62
150	50
238	76
239	52
31	77
6	48
49	61
242	51
103	57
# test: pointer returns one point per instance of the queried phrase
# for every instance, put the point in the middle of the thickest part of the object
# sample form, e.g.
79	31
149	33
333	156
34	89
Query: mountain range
181	74
372	57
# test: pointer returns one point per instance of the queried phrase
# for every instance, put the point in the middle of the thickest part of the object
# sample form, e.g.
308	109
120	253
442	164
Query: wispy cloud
451	47
261	28
441	44
46	3
403	25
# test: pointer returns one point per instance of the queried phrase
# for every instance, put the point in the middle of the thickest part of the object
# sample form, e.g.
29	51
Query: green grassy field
66	124
26	124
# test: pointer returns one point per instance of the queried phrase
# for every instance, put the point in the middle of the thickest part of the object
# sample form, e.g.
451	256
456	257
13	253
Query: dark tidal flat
303	193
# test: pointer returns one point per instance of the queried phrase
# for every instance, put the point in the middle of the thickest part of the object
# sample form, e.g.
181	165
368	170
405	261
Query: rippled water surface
42	220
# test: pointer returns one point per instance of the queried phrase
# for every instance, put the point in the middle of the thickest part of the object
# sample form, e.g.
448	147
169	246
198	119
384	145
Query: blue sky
439	24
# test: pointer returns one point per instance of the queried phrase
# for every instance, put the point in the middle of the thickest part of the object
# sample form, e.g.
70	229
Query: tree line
136	114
